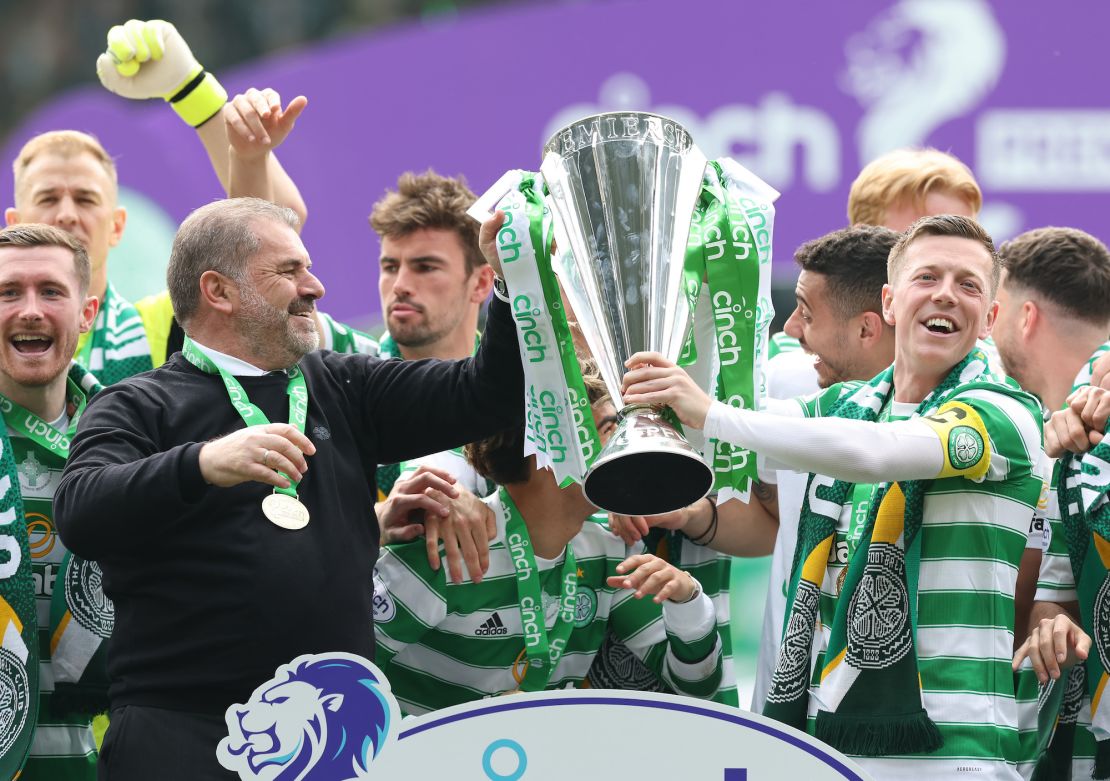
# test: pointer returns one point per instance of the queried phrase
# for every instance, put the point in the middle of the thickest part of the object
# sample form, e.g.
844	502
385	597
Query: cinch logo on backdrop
802	106
332	717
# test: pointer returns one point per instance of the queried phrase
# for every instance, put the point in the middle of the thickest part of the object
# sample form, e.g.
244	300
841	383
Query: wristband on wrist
199	99
710	532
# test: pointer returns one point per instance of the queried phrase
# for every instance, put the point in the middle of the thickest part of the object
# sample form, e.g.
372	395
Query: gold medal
839	578
285	511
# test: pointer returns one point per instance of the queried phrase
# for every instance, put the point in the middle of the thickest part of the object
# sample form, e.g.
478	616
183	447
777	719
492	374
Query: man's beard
269	329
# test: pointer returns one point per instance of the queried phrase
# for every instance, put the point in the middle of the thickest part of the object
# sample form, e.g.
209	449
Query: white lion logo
918	65
323	717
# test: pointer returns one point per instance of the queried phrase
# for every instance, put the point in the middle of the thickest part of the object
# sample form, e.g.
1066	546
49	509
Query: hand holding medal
265	452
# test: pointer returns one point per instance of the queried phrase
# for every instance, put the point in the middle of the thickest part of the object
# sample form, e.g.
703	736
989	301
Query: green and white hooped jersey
344	339
972	538
1056	583
441	643
782	343
63	748
614	669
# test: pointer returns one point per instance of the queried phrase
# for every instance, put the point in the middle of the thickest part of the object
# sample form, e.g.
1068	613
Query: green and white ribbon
559	425
730	247
543	649
252	415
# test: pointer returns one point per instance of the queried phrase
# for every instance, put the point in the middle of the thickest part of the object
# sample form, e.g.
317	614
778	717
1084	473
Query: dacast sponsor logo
517	545
492	626
41	537
526	315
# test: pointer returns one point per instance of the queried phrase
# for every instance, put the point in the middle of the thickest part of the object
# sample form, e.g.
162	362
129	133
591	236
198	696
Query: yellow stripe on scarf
59	632
7	614
814	568
890	520
1103	548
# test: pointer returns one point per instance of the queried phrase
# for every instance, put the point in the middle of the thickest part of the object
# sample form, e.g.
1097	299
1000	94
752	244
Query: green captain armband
199	99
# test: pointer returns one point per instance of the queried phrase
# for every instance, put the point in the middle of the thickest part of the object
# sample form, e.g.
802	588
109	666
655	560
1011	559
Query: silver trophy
623	188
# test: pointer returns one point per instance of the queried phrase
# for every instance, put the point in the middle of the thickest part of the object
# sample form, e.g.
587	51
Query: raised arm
150	59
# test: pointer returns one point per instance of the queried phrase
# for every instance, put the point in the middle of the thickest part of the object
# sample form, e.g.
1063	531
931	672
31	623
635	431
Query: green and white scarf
1085	510
730	248
117	346
870	683
81	616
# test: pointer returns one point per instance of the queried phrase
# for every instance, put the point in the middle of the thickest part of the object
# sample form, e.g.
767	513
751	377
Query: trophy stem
647	467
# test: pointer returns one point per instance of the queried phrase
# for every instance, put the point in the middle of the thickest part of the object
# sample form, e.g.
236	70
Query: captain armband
964	440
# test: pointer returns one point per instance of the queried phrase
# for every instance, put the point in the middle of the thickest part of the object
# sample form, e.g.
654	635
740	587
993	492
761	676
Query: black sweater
210	596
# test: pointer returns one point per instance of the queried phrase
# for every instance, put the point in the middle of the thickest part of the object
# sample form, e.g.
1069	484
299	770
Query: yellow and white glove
151	60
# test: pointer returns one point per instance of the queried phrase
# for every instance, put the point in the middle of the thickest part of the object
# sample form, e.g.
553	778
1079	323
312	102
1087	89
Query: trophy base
648	483
647	468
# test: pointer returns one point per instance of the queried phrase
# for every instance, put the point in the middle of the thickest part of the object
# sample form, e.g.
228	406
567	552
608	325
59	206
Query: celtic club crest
85	598
15	699
965	447
1102	622
792	668
879	613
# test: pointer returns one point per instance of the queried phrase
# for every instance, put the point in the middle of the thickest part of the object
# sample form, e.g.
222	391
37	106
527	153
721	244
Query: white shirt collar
230	364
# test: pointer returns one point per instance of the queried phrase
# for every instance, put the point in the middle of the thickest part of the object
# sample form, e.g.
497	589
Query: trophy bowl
623	188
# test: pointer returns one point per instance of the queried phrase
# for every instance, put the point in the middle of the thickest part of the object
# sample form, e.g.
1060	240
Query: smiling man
239	477
926	478
44	307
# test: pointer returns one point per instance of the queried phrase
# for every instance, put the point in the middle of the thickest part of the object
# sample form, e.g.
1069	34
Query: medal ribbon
543	649
252	415
38	430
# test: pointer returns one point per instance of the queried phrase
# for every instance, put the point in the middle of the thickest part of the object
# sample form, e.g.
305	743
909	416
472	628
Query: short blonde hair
65	143
954	225
907	176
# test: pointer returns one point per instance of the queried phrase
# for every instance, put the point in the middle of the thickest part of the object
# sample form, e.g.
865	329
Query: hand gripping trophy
633	226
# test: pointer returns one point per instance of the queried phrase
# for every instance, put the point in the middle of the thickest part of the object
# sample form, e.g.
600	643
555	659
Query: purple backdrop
803	93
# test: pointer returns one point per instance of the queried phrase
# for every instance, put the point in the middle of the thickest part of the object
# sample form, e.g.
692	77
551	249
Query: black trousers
153	743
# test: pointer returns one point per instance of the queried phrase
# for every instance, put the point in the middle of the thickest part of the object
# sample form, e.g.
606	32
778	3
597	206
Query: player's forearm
744	529
694	652
263	178
853	450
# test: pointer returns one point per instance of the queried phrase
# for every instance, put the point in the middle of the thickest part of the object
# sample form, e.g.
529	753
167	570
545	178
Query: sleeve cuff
1055	595
690	621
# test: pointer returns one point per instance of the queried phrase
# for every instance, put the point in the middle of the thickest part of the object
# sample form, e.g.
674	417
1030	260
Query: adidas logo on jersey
492	626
